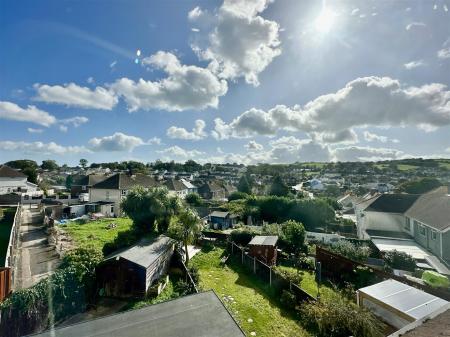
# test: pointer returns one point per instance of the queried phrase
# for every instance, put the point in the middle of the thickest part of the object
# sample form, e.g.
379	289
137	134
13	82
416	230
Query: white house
13	181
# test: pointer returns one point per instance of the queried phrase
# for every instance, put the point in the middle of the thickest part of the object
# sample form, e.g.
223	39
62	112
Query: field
95	232
6	221
251	301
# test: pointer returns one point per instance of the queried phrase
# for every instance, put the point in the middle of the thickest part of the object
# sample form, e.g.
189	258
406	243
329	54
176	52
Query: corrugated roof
261	240
8	172
200	315
392	203
411	301
145	252
433	209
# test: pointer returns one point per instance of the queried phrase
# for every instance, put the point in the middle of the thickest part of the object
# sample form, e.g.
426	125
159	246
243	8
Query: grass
95	232
406	167
6	222
167	294
253	303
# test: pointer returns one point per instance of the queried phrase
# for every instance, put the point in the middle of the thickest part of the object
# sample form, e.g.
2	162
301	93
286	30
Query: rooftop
392	203
264	241
200	315
125	181
8	172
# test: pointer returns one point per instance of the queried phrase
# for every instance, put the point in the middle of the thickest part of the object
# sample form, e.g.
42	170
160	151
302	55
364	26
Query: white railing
13	240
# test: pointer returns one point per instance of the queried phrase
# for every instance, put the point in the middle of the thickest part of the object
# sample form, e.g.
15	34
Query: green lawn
6	221
95	232
406	167
251	301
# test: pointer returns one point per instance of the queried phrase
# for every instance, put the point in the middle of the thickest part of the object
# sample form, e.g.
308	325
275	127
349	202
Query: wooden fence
5	283
268	274
337	267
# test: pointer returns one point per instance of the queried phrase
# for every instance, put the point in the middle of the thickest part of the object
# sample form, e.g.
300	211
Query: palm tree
188	227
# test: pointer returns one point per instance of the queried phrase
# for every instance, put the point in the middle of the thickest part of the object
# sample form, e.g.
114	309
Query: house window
112	209
408	224
433	235
422	230
124	192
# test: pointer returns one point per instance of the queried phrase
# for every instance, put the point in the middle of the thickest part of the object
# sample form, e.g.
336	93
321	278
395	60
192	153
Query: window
124	192
408	224
83	188
433	235
422	230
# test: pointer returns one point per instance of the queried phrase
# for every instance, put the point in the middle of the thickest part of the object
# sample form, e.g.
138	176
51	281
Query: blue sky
224	81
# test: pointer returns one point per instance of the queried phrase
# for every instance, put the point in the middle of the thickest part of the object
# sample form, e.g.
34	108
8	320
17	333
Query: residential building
116	187
176	187
82	184
214	190
13	181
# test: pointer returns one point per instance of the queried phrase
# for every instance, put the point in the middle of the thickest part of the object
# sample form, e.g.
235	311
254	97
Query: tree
244	185
193	199
419	186
237	196
293	233
83	163
278	187
185	229
49	165
28	167
69	182
148	208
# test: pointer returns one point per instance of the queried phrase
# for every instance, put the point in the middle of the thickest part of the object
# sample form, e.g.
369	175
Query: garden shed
398	304
222	220
130	272
264	248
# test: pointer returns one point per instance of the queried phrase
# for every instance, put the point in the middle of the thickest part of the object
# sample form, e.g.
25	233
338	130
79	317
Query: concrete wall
7	185
97	194
379	221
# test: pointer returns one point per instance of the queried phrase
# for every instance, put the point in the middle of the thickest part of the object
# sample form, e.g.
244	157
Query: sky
253	81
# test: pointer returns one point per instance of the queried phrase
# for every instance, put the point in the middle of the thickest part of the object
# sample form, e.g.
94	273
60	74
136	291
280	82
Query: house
82	184
184	316
176	187
105	208
116	187
212	190
131	272
13	181
398	304
191	188
264	248
222	220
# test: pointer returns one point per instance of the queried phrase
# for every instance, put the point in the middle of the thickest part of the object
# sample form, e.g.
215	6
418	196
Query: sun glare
325	20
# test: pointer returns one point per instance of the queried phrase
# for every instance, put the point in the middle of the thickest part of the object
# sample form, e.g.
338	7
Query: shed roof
433	209
410	301
200	315
145	252
261	240
219	214
392	203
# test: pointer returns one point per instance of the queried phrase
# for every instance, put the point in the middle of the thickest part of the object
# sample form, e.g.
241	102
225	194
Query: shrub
350	250
292	276
241	237
400	260
288	299
123	239
194	199
237	196
337	316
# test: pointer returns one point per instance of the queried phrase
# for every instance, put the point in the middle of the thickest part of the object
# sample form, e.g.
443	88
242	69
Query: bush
351	251
242	237
288	299
400	260
83	261
123	239
194	199
237	196
337	316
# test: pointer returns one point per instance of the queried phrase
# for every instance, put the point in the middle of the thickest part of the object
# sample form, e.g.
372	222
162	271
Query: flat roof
408	246
261	240
200	315
409	300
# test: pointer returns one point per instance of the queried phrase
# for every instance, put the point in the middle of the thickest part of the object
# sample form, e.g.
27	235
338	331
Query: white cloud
354	11
74	121
195	30
33	130
242	43
370	137
253	146
116	143
30	114
185	87
41	148
444	53
74	95
195	13
178	152
90	80
154	141
368	101
113	64
197	133
414	64
414	25
365	153
63	128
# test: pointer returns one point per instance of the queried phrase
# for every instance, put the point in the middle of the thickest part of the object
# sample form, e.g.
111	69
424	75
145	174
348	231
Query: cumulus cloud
185	87
197	133
31	114
242	43
368	101
33	130
414	64
444	53
178	152
253	146
195	13
74	95
41	148
365	153
371	137
116	143
74	121
154	141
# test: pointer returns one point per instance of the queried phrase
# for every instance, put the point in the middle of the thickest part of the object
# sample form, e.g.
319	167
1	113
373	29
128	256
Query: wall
11	183
97	194
426	240
446	246
385	314
381	221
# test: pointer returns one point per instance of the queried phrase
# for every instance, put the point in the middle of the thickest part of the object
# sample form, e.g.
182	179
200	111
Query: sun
324	22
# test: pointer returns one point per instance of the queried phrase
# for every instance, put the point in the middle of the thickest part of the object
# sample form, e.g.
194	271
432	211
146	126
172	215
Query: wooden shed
130	272
264	248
